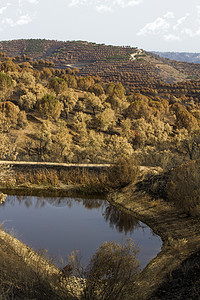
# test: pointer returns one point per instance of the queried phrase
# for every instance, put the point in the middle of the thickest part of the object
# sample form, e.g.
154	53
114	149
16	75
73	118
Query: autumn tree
126	129
118	104
123	172
183	186
63	142
49	107
184	119
93	102
191	145
6	86
8	149
46	73
84	83
116	89
97	89
8	66
10	112
44	141
105	120
58	85
116	97
117	146
71	81
110	273
27	79
94	149
27	101
69	100
138	109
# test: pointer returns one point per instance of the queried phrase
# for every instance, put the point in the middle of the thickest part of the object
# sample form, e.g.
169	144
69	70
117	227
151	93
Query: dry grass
38	177
178	244
20	280
89	181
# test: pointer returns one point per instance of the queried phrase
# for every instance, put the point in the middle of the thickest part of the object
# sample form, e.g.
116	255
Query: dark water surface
61	224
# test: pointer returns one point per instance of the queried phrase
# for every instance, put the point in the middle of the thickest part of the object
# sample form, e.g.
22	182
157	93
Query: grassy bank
25	274
179	231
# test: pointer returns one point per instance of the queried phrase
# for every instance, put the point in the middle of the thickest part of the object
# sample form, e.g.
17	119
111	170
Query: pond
64	224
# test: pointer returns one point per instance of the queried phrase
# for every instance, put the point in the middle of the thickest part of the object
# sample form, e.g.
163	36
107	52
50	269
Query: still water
63	224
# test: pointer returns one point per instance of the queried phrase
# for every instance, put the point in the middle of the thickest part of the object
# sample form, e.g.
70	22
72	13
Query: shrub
27	101
49	107
110	273
183	187
6	86
123	172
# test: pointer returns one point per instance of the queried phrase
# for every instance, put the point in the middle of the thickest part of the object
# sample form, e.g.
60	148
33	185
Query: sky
172	25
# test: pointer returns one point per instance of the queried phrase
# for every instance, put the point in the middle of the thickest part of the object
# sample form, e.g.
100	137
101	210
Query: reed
85	180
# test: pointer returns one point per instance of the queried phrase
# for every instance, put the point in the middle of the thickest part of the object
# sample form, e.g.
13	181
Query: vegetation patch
25	274
183	187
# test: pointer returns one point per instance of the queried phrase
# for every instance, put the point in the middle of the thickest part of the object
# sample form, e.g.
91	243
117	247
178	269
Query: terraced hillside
133	67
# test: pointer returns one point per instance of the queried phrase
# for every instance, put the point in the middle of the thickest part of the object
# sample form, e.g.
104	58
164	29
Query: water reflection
62	224
122	222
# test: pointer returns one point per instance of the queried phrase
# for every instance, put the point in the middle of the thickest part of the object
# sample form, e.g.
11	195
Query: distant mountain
133	67
180	56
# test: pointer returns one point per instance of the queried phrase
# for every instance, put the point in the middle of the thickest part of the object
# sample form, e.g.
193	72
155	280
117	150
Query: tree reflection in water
123	222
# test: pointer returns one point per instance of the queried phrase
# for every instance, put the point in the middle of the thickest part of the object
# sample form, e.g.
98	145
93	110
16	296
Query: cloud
169	15
198	13
104	8
24	20
191	33
21	21
4	8
17	13
33	1
7	21
171	38
180	21
160	25
105	5
171	29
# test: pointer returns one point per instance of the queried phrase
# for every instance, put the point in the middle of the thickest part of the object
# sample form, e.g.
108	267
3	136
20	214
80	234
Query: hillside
50	114
134	68
180	56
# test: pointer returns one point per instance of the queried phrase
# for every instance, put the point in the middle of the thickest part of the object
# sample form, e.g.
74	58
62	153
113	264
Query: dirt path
52	164
133	55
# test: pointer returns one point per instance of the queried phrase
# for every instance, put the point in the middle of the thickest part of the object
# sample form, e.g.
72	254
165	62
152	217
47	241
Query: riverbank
180	234
26	274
